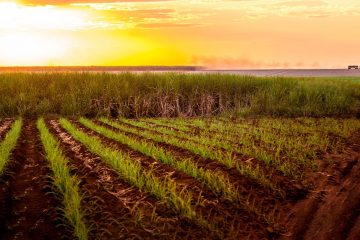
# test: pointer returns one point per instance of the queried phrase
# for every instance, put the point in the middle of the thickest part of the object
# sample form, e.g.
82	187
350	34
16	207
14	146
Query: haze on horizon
217	34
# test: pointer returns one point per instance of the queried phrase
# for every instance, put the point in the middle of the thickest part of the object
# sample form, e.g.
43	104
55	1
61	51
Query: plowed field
215	178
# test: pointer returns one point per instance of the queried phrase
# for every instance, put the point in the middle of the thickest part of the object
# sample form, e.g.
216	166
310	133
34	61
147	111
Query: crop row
250	149
8	144
220	184
204	148
65	184
300	141
215	181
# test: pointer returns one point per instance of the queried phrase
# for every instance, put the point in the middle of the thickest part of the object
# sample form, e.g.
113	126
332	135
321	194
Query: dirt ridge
218	210
332	209
5	126
100	183
28	209
292	187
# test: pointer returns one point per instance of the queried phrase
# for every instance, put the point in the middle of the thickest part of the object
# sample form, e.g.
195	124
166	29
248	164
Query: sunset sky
217	34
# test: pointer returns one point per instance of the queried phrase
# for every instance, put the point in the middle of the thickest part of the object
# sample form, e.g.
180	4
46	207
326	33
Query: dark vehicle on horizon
353	67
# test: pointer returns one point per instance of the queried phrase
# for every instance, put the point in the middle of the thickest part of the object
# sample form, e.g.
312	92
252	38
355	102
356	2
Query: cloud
299	3
121	14
255	9
67	2
166	25
154	15
47	17
140	15
26	18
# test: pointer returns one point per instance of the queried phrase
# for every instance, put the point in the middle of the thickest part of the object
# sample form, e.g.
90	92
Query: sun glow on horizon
214	34
27	48
29	35
20	17
51	35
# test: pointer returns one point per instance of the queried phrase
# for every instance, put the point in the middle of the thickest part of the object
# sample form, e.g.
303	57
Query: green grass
65	184
9	143
215	181
298	139
173	94
289	145
259	142
216	147
207	152
165	189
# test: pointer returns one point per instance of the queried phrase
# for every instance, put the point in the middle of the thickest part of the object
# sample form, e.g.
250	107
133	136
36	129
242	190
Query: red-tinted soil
290	187
28	209
4	127
217	210
113	206
116	210
332	209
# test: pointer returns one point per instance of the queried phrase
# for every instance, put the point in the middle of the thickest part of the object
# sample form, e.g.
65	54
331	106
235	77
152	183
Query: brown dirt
112	204
160	170
240	181
5	126
290	187
250	124
155	125
216	210
195	130
27	207
332	209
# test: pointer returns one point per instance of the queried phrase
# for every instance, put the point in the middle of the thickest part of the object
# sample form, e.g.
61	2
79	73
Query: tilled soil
4	127
116	210
28	209
332	209
290	187
271	203
221	212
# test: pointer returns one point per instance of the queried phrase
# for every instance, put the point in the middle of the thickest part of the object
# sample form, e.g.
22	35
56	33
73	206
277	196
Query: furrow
250	167
66	185
215	181
8	143
217	212
28	208
5	126
297	147
241	182
159	169
245	145
128	211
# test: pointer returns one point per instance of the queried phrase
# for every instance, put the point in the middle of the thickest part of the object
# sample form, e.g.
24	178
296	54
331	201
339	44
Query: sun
23	17
27	48
34	35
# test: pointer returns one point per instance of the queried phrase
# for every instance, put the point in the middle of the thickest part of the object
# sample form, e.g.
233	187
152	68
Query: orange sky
217	34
